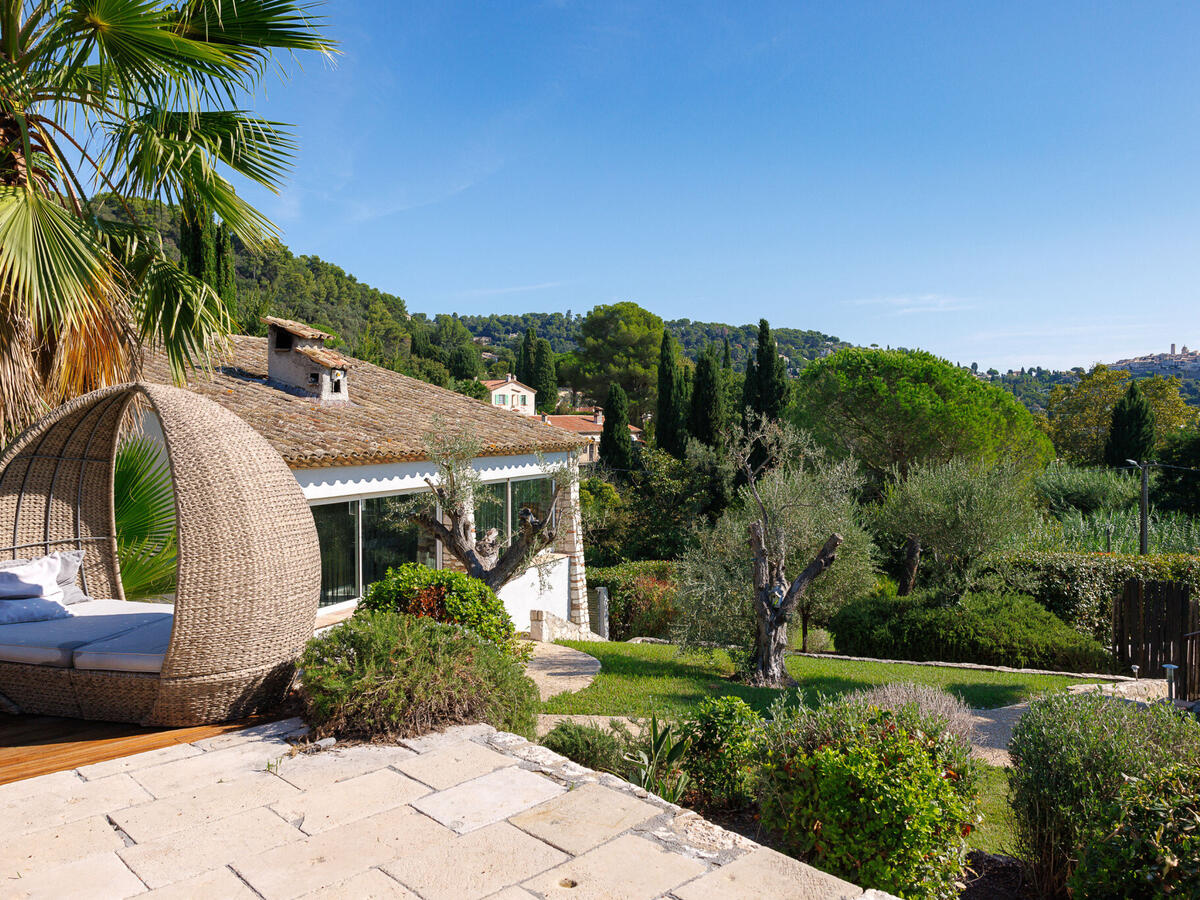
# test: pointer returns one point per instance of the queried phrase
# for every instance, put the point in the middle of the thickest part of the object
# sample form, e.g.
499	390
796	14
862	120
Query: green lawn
655	679
995	833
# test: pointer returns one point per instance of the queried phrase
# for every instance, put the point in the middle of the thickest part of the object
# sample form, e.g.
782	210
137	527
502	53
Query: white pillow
38	578
32	609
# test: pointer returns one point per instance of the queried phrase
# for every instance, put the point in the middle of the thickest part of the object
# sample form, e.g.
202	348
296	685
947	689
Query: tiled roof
492	383
330	359
385	419
299	329
582	424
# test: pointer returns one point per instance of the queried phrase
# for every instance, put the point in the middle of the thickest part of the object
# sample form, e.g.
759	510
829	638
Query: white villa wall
544	586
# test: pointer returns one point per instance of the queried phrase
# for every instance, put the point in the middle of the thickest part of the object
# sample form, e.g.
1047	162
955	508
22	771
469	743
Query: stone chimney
598	415
298	358
545	419
510	377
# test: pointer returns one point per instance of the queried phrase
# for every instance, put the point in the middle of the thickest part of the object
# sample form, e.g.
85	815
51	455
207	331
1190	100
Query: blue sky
1007	183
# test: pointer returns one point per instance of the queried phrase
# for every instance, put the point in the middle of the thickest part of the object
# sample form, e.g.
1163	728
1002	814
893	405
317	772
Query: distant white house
508	393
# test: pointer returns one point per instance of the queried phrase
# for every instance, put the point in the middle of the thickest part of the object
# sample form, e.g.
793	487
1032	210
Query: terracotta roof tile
582	424
331	359
299	329
492	383
384	420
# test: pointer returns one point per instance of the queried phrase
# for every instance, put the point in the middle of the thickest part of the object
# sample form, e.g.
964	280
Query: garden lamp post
1143	506
1170	667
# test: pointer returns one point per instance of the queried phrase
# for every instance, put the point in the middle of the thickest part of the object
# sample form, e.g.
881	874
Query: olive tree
956	512
491	557
771	556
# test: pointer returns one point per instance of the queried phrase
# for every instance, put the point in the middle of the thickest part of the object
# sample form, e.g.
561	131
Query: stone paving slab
557	670
469	813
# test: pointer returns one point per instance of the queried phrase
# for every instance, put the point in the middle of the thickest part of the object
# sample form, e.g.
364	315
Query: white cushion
52	643
37	578
140	650
31	609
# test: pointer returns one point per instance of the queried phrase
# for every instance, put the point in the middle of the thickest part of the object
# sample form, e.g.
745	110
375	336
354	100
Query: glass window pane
534	495
337	534
490	511
390	539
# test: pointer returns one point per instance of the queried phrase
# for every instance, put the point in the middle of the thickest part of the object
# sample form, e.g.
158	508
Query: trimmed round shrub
884	798
985	628
382	674
1071	755
443	596
724	734
602	749
1148	844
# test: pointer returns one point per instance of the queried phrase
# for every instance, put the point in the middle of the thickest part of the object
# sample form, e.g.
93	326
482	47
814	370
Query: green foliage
619	344
144	513
381	674
985	628
632	587
1080	415
1071	754
604	513
707	419
545	380
601	749
656	761
446	596
1064	488
891	409
1131	432
616	443
527	357
1177	487
1080	588
1118	531
808	499
1147	844
723	735
881	797
765	391
669	412
961	510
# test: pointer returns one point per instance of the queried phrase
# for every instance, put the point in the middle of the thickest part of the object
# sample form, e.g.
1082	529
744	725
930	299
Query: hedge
1080	588
985	628
622	581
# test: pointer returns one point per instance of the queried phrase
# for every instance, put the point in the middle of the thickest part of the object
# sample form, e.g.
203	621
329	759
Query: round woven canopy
249	568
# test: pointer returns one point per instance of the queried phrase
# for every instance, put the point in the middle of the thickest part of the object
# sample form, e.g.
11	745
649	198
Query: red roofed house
590	425
508	393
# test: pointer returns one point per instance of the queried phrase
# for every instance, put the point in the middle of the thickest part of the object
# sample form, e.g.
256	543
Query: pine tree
706	420
616	443
545	380
527	357
668	419
1131	435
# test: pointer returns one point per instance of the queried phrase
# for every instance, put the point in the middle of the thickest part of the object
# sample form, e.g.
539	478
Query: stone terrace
469	813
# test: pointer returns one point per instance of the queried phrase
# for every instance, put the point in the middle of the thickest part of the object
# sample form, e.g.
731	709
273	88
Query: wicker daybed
248	566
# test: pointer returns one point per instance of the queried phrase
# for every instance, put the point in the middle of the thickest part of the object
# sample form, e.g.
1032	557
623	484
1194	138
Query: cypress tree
616	443
727	359
771	372
226	276
750	388
668	418
197	241
1131	434
527	357
545	380
707	417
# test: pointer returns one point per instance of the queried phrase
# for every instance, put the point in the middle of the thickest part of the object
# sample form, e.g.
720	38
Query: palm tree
134	98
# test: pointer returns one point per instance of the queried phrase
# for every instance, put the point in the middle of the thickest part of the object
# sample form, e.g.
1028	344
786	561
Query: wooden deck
39	745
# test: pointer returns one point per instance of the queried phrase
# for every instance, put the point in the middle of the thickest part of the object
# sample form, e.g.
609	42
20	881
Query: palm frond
144	513
180	314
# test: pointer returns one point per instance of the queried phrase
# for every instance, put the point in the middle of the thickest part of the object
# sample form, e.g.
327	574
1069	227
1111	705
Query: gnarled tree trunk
775	600
912	559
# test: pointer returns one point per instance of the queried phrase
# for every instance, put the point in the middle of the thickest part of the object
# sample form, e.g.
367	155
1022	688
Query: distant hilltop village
1185	363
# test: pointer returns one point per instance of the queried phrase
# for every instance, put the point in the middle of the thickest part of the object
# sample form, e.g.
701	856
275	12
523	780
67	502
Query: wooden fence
1151	624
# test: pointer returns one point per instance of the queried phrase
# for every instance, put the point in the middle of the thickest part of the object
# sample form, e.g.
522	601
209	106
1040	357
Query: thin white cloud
915	304
518	289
